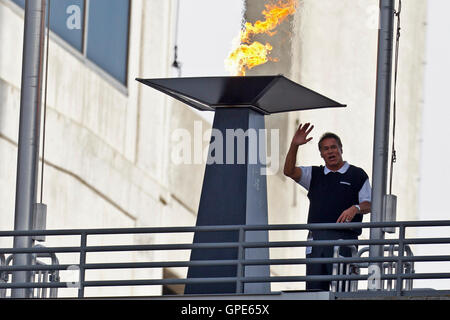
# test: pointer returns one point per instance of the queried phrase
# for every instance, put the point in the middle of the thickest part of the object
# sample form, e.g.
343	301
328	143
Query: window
67	21
103	40
107	41
20	3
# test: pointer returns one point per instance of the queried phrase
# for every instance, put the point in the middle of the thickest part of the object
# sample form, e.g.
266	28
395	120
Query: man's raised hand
301	135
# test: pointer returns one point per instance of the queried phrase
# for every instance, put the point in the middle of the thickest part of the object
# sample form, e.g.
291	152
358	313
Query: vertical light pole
29	127
381	132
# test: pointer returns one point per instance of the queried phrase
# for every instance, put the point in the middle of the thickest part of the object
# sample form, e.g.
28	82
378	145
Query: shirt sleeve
365	194
305	179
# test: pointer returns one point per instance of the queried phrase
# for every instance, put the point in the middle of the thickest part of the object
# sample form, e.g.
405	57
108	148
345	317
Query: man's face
331	153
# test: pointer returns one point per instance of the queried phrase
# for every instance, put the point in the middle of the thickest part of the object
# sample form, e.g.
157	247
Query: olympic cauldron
235	193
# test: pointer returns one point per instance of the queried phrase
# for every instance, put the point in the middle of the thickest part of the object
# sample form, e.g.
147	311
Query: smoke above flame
247	53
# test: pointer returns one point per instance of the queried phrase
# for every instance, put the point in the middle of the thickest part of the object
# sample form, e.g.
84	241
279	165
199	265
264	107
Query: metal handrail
403	262
270	227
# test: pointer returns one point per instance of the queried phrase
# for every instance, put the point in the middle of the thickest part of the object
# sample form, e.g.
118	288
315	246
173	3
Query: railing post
334	283
401	252
241	256
82	264
390	268
410	268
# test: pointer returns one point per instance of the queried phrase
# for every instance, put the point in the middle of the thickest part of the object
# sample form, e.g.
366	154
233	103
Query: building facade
108	159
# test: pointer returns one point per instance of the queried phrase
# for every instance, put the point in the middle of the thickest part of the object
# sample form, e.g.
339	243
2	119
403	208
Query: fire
247	54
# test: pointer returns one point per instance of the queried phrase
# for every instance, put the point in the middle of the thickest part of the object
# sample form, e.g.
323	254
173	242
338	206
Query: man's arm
364	196
300	138
290	170
350	213
366	207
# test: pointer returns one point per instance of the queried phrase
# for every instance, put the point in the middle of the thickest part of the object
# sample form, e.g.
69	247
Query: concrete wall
107	156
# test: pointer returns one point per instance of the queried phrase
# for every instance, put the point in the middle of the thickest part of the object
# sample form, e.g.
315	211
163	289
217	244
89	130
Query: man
338	192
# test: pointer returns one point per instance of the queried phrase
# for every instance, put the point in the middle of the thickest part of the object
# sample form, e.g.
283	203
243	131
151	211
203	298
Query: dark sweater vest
330	194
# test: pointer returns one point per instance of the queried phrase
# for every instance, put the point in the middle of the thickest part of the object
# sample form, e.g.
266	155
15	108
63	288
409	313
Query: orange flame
247	54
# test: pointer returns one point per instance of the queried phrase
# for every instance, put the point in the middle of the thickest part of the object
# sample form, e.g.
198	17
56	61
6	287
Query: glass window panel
67	21
107	36
20	3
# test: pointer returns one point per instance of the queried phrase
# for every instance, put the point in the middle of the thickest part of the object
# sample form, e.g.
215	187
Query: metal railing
39	275
397	276
388	267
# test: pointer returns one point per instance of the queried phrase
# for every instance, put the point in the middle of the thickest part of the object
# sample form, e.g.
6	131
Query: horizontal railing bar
348	225
316	226
254	262
251	262
187	246
224	245
426	241
342	242
347	277
272	279
345	260
174	264
118	248
166	264
40	250
277	244
180	246
15	285
140	282
36	267
417	276
216	280
108	283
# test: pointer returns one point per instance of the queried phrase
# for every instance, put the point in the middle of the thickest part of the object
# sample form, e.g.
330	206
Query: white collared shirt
365	194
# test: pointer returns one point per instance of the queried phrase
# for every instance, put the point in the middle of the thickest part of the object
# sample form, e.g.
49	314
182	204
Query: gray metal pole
381	133
29	127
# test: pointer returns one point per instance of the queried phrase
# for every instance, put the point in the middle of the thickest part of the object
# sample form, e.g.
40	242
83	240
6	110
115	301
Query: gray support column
29	127
381	132
234	193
